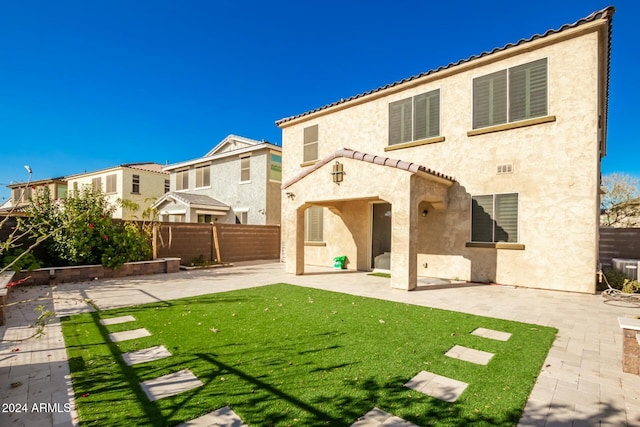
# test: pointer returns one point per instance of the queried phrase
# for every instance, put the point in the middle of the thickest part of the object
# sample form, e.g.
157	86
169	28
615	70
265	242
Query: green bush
79	230
615	278
21	260
127	243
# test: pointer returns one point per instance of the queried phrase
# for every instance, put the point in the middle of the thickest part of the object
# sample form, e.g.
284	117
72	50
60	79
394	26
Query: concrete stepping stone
117	320
491	334
437	386
469	355
377	417
145	355
222	417
129	335
170	385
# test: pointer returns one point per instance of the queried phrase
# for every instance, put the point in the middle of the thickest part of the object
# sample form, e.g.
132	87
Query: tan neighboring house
141	183
21	193
237	181
485	170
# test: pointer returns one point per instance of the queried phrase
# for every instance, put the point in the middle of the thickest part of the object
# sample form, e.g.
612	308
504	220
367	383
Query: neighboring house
21	193
140	183
484	170
238	181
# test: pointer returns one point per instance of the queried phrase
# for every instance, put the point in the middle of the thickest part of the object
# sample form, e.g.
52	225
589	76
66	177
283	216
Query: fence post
216	242
154	241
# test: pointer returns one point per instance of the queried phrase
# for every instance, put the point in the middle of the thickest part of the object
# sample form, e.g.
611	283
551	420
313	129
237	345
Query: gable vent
506	168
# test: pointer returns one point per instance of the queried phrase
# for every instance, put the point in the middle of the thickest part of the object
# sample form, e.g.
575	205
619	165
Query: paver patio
581	381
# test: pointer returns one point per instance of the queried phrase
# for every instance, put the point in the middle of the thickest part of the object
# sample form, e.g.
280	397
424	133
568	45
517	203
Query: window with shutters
313	224
416	118
96	184
167	185
112	181
310	144
182	180
510	95
203	176
494	218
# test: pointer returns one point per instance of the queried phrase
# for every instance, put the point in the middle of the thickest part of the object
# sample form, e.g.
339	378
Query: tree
81	231
620	204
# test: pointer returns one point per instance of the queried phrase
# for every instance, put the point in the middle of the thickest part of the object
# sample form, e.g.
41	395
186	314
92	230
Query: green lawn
287	355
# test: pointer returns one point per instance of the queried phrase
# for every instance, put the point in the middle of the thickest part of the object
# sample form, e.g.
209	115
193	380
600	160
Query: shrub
20	260
615	278
80	230
127	243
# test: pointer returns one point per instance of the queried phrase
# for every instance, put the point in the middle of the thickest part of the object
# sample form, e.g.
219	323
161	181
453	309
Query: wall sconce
290	195
337	172
261	211
425	212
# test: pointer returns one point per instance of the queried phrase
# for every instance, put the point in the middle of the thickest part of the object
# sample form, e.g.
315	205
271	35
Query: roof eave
591	23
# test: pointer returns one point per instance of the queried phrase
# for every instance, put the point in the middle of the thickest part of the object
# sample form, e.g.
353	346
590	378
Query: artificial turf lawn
290	355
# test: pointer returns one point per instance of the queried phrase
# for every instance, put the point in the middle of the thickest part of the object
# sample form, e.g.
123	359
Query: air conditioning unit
627	266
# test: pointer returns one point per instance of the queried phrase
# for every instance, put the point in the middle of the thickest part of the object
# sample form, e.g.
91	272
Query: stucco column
404	231
293	234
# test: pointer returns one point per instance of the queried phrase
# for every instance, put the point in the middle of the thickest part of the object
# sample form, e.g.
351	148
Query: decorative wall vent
506	168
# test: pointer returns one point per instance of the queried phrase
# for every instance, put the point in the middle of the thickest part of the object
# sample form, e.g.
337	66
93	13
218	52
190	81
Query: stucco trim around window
308	243
414	143
498	245
309	163
513	125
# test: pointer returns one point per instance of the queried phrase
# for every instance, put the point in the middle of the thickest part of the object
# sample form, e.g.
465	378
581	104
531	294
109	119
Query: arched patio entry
348	183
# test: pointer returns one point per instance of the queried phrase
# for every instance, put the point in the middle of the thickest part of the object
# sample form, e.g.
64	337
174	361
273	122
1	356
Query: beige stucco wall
555	173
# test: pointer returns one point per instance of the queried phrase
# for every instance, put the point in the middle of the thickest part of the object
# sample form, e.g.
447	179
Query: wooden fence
618	243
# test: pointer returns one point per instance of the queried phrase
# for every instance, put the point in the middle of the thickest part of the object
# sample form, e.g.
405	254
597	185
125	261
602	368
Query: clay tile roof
370	158
604	14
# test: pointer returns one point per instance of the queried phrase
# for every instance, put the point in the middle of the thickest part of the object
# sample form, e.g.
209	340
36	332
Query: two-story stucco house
140	183
21	193
238	181
484	170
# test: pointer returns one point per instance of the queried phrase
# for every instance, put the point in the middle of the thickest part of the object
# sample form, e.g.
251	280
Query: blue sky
86	85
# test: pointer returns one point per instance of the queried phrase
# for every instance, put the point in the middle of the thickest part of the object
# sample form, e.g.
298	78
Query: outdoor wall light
290	195
338	172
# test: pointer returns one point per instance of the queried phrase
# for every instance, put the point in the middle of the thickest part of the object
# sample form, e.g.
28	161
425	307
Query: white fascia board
231	153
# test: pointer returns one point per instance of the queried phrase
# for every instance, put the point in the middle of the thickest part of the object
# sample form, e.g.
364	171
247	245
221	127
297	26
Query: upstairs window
203	176
275	167
416	118
494	218
182	180
96	184
510	95
112	181
310	145
167	185
135	184
245	169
